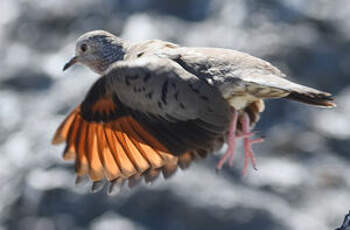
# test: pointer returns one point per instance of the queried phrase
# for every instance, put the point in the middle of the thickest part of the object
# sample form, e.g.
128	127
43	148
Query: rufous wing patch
81	163
63	130
96	171
118	149
147	151
148	138
111	167
70	150
105	106
126	167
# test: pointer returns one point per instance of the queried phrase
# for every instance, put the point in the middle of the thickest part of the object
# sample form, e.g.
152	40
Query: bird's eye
83	47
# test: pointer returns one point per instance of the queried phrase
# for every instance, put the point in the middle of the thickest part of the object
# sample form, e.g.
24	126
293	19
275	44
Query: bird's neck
115	52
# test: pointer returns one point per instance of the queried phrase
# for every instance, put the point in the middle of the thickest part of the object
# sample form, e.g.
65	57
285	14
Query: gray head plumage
98	50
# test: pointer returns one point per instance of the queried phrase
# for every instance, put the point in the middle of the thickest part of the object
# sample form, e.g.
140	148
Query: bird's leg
248	151
231	142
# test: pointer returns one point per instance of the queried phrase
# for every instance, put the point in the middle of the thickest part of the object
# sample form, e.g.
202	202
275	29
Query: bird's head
97	50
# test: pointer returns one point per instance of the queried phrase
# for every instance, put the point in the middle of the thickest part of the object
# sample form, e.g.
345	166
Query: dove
157	106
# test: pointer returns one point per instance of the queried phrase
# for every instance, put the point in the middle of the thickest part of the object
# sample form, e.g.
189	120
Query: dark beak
70	63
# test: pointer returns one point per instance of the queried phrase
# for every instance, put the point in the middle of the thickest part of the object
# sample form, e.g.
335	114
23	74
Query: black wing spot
147	77
140	54
130	78
160	105
165	91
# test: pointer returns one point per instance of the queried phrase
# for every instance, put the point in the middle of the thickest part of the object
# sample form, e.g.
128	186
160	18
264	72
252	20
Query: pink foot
230	152
248	151
246	134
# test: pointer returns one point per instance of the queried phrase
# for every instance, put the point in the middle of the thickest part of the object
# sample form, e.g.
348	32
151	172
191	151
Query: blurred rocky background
303	178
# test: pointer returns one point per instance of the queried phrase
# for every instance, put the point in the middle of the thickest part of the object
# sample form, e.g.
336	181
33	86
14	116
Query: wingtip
57	139
115	186
97	186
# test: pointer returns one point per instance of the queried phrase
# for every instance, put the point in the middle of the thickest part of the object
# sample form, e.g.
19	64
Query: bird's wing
240	73
170	101
142	117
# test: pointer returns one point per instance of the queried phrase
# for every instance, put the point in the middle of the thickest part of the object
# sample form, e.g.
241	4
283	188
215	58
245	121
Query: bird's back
242	78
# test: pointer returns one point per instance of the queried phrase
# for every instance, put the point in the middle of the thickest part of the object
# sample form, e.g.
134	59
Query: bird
157	106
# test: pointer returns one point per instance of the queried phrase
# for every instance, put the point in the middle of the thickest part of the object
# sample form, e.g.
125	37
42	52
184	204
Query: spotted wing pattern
109	138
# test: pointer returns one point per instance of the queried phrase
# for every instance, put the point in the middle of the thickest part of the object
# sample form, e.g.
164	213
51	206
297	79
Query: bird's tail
282	88
311	96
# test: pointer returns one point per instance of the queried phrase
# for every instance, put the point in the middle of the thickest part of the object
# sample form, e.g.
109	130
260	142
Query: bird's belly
242	101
